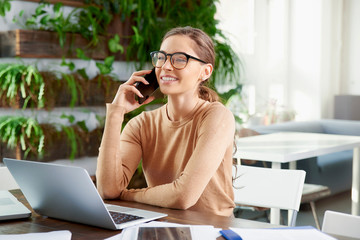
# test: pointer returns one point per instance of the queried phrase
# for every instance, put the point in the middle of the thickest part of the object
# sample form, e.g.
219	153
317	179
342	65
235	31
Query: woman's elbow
108	193
185	201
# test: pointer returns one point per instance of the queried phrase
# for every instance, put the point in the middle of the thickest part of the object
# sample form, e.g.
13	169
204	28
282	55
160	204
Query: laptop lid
67	193
11	208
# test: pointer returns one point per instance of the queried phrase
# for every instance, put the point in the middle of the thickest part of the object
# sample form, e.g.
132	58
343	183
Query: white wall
304	52
350	64
305	58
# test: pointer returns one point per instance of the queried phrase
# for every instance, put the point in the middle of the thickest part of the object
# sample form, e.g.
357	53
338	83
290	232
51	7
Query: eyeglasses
178	60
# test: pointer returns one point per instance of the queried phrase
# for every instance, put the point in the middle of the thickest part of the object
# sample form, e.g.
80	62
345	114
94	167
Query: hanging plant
23	134
18	80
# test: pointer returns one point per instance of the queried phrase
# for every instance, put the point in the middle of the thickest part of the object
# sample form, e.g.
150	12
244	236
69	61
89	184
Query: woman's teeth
168	79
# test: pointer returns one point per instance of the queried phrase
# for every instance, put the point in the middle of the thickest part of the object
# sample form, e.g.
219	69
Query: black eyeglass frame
172	54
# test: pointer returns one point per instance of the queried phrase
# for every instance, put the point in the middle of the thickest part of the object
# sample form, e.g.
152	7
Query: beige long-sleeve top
187	164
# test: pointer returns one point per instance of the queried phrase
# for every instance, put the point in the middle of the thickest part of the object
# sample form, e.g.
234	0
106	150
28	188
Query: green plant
23	134
150	20
89	21
5	6
21	80
73	87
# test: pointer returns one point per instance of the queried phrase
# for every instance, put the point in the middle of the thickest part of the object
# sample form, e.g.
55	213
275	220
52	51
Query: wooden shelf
45	44
72	3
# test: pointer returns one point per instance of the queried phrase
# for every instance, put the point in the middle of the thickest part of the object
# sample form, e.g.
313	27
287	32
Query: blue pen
230	235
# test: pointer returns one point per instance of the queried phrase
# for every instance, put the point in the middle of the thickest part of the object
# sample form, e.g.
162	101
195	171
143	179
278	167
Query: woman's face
185	81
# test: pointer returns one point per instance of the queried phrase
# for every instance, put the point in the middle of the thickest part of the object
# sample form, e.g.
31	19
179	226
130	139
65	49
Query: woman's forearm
108	164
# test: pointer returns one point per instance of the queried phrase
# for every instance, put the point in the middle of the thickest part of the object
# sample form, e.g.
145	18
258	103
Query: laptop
68	193
11	208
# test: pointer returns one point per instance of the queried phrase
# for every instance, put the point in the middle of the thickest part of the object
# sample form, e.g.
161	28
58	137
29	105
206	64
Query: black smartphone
147	90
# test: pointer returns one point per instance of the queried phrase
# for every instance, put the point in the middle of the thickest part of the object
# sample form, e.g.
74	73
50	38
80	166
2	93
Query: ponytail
208	94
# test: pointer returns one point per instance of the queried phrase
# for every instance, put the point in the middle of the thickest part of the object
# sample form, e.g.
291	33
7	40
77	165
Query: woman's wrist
114	111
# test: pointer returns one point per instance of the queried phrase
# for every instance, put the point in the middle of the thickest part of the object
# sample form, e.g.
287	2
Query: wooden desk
39	223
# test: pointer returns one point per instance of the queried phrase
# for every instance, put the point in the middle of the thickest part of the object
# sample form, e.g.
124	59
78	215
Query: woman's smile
166	79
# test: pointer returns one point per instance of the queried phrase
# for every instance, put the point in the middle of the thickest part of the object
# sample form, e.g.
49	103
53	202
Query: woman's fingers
130	88
138	77
125	95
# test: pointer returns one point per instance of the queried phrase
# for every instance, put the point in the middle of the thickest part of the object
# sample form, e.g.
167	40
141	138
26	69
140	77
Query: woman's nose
167	65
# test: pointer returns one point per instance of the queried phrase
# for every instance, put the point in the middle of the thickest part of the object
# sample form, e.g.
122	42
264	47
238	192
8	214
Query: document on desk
170	230
54	235
297	233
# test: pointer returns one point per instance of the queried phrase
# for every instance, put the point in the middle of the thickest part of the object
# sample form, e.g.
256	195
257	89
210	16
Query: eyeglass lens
178	60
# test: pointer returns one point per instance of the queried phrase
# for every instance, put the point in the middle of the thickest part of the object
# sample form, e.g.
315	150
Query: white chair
7	182
312	193
269	188
341	224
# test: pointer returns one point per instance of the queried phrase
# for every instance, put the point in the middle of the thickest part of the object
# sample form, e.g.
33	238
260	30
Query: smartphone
147	90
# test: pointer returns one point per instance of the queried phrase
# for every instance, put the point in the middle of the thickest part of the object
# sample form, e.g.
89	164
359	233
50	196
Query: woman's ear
207	71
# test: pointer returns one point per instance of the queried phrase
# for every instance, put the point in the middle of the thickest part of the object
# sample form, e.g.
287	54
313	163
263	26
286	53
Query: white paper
282	234
55	235
197	231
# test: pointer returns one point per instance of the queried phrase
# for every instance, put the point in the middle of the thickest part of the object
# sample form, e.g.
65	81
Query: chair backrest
7	182
341	224
268	187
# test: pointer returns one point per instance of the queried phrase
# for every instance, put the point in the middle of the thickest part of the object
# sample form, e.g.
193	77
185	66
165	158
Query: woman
186	145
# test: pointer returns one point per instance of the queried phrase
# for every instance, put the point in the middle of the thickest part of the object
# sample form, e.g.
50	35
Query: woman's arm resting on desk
112	176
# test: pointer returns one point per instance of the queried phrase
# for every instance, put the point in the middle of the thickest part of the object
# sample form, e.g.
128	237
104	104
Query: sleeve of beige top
215	134
114	171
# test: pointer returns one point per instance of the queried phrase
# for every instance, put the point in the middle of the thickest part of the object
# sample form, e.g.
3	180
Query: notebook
11	208
68	193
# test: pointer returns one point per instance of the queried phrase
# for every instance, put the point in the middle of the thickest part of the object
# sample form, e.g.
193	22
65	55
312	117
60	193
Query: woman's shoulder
213	114
215	109
216	117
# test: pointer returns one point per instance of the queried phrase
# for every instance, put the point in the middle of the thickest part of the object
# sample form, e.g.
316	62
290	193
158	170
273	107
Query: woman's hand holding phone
147	90
127	91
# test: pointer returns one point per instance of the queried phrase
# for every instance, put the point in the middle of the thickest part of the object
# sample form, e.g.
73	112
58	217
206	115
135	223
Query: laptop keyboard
122	217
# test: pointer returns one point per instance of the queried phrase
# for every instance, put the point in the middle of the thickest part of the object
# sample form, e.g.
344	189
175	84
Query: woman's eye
180	60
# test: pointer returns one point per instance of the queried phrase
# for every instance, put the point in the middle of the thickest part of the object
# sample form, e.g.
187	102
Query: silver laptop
68	193
11	208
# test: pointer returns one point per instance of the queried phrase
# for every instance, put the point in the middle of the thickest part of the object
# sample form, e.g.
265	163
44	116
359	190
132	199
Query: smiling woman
185	146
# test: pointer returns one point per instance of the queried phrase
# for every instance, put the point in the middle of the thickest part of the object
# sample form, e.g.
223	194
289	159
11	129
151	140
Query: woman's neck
179	108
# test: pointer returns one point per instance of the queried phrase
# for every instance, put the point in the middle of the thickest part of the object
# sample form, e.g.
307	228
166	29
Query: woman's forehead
178	43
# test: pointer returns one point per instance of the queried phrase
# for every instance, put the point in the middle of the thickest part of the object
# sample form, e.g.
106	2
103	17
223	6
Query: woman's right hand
125	95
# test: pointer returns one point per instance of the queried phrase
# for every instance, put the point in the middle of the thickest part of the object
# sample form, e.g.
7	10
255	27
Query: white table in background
288	147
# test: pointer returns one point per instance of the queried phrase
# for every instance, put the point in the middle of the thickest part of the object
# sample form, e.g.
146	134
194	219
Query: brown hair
206	52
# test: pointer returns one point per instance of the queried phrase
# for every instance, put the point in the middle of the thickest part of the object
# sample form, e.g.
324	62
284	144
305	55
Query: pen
230	235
